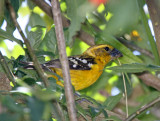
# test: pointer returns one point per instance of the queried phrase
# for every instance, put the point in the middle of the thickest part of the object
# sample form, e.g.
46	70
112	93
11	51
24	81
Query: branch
149	79
134	47
142	109
27	43
84	104
6	69
154	10
63	59
85	37
48	10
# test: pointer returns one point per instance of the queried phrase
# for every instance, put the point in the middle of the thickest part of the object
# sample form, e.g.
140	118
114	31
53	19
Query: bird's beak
115	54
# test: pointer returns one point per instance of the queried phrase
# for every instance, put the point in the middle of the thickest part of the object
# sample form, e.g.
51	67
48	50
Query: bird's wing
75	63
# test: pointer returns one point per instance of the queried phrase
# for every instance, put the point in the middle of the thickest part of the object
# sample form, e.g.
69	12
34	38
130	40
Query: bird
86	68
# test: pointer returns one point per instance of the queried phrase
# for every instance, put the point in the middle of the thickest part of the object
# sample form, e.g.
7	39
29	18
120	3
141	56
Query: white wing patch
80	63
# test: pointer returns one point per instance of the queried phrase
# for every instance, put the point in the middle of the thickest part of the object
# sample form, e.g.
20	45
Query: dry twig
142	109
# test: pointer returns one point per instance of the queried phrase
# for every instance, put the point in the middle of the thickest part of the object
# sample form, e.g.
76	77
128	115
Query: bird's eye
107	48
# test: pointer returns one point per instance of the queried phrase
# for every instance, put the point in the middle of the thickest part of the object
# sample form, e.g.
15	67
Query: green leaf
35	37
34	20
81	111
10	26
49	43
112	101
93	111
6	35
45	95
42	53
120	23
134	68
76	11
10	104
36	108
10	117
52	83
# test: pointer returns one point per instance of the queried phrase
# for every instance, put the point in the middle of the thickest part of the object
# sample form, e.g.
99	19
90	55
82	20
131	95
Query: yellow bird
86	68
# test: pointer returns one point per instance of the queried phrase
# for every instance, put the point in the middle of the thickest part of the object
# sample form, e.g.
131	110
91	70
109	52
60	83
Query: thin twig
63	59
125	90
6	69
134	47
142	109
27	43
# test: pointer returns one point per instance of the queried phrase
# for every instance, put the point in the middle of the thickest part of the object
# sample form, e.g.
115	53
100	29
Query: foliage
29	100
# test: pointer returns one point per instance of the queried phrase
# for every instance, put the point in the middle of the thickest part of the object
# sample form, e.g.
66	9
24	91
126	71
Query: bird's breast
82	78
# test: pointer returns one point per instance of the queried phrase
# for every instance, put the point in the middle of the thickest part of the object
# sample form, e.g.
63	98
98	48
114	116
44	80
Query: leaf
10	26
93	111
35	37
6	35
49	43
10	117
112	101
120	23
76	11
34	20
134	68
8	102
42	53
36	108
45	95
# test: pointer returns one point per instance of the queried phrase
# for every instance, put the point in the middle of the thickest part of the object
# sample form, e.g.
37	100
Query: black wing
75	63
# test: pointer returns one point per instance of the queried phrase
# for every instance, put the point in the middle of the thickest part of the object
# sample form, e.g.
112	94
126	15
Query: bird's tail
27	65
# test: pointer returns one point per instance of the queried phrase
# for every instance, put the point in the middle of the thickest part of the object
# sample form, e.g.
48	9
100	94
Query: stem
135	47
6	69
28	45
142	109
63	59
125	90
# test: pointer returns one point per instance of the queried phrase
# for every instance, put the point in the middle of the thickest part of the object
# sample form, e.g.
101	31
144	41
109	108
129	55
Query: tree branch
48	10
63	59
6	69
142	109
149	79
27	43
154	10
134	47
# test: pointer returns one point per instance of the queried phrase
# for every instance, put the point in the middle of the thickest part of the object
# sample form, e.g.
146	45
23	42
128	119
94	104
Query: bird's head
104	53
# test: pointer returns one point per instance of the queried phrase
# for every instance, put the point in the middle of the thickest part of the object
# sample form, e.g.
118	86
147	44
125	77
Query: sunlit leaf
49	43
76	11
6	35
